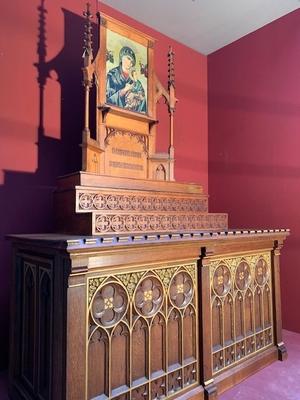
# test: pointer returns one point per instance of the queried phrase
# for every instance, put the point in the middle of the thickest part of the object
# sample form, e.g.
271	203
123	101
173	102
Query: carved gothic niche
158	340
120	361
258	313
189	334
217	323
174	338
29	334
267	306
98	356
228	319
160	173
140	353
249	312
239	315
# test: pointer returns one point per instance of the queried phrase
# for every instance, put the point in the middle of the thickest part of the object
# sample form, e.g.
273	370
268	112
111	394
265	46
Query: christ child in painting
123	89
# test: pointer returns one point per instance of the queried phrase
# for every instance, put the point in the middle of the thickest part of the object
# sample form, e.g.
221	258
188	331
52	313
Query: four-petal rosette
149	296
243	275
261	272
109	304
222	280
181	289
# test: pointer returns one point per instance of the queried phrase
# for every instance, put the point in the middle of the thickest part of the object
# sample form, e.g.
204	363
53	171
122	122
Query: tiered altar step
100	204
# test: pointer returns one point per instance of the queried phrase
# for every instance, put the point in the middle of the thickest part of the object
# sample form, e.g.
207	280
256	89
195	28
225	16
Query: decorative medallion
222	280
102	223
112	202
154	222
99	201
261	272
130	223
243	276
181	290
124	202
117	223
109	305
85	201
148	297
176	222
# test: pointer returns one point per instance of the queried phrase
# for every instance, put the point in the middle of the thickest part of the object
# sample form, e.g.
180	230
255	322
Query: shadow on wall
26	198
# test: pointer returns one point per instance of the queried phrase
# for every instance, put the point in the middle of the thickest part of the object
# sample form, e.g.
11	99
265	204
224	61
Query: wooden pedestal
143	317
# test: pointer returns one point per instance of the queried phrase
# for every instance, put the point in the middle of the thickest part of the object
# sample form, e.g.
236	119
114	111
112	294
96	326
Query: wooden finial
171	73
87	47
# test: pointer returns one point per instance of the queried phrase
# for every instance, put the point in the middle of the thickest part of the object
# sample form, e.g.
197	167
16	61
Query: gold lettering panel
126	154
241	306
142	333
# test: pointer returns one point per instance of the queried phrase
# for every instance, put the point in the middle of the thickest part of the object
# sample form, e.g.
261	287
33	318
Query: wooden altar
143	294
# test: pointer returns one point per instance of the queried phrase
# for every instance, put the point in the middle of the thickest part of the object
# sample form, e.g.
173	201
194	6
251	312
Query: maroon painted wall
254	140
41	115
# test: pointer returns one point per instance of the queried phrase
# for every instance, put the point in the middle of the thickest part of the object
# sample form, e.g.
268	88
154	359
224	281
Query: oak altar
142	293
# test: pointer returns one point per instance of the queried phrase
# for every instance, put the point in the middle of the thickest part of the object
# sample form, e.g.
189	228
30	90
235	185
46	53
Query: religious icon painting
126	73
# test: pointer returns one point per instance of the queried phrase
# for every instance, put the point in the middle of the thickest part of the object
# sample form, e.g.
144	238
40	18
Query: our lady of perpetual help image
126	78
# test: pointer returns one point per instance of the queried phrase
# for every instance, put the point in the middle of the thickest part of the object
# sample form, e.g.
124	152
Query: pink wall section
40	128
254	140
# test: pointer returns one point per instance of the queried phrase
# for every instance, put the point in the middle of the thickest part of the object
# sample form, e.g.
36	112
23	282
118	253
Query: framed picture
126	67
126	73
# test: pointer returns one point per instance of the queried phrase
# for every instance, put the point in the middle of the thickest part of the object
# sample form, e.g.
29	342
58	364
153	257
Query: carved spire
171	73
88	35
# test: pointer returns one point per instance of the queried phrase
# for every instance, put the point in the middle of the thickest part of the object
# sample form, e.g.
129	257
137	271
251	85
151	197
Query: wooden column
207	381
76	339
282	352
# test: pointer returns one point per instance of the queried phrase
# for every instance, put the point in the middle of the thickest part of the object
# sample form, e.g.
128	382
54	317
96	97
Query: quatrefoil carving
261	272
222	280
109	304
243	276
148	297
181	289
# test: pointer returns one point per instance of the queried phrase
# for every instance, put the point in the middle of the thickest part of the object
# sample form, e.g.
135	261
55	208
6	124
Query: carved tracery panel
241	307
143	331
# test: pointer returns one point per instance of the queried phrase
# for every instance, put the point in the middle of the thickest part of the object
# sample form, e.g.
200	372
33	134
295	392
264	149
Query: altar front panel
138	317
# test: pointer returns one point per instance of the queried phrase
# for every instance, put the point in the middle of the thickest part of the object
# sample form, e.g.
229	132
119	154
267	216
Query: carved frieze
118	223
91	201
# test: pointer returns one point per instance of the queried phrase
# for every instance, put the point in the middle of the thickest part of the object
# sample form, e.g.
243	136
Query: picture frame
125	69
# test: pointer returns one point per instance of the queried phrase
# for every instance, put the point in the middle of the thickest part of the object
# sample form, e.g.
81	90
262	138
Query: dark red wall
41	114
254	140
